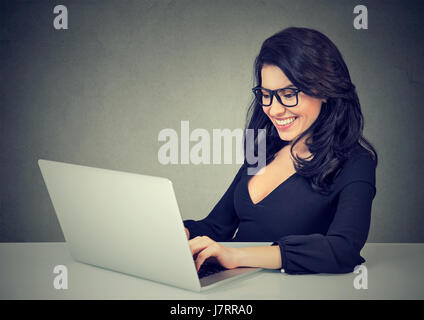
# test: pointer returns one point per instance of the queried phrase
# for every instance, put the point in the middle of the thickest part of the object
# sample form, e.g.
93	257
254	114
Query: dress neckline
290	178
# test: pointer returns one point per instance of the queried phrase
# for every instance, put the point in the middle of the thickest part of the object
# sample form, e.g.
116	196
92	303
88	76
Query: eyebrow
286	87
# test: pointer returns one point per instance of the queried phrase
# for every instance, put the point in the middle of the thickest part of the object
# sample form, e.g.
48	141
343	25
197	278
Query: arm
203	248
268	257
339	250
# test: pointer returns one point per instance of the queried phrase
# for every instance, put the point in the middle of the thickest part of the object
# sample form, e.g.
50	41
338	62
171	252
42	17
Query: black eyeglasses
286	96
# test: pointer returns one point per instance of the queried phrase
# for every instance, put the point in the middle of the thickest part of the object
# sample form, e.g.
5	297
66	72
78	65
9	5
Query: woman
313	198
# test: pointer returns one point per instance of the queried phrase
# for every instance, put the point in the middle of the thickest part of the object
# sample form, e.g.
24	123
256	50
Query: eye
287	93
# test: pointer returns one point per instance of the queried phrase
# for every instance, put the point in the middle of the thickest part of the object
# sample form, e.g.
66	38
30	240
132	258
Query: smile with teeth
285	121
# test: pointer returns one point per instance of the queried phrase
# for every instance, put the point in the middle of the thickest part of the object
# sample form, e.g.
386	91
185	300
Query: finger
210	251
196	244
199	243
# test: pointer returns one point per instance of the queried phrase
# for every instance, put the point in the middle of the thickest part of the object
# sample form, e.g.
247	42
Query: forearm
268	257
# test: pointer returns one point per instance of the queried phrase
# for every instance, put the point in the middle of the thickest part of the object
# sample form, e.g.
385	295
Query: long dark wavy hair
315	66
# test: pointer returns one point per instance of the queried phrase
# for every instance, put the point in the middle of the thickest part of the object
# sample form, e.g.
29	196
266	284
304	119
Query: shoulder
360	166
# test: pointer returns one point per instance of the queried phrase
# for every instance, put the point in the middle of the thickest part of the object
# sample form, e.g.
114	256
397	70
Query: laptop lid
121	221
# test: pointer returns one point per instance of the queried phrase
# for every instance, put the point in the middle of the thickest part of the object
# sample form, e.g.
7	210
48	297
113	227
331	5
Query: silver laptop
126	222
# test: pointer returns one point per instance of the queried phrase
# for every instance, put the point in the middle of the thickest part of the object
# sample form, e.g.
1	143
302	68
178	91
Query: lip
286	126
285	118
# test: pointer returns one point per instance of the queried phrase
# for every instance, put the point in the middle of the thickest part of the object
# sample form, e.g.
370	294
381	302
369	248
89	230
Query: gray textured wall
98	94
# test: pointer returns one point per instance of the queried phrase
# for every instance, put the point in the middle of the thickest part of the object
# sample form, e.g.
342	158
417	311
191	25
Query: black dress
316	233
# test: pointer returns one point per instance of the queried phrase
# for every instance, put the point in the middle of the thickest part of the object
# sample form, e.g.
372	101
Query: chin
288	136
285	138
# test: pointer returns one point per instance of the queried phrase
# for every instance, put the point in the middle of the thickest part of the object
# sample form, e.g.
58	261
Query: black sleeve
222	221
338	251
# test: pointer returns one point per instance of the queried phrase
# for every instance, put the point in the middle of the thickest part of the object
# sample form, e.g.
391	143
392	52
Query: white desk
395	271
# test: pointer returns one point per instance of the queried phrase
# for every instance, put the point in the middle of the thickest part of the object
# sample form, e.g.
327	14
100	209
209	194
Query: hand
204	248
187	233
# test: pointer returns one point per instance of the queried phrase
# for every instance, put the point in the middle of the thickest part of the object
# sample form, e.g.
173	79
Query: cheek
310	110
315	111
266	111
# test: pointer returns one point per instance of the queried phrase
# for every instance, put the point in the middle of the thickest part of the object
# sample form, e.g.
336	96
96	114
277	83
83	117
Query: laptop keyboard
208	269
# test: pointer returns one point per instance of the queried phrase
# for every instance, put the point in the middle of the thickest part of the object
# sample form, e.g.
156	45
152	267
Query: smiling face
305	112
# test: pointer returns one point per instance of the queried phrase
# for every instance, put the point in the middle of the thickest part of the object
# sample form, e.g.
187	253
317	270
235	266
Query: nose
276	108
